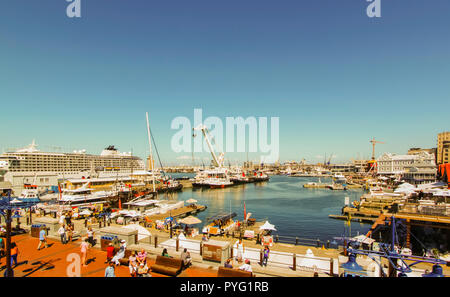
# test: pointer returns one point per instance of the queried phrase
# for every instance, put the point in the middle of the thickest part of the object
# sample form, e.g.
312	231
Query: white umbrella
267	226
142	232
191	201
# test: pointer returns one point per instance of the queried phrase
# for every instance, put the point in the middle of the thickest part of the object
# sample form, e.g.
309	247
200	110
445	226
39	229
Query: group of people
138	264
240	256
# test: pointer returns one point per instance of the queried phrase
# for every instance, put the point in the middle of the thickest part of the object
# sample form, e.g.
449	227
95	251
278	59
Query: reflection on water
294	210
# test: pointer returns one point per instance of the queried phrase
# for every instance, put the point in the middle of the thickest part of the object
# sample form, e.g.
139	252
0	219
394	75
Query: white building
417	168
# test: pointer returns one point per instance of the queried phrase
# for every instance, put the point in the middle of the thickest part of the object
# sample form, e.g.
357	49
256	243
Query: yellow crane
373	141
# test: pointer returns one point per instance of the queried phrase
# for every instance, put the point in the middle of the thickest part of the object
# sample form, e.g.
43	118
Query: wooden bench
231	272
168	266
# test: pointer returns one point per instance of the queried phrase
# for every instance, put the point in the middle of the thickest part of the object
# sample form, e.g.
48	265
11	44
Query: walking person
265	256
69	232
14	253
84	249
109	252
42	239
110	271
2	247
240	251
90	235
62	234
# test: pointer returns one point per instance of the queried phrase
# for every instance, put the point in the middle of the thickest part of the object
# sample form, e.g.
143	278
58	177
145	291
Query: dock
179	212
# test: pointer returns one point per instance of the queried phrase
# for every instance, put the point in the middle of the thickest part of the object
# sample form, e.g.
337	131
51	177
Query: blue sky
333	76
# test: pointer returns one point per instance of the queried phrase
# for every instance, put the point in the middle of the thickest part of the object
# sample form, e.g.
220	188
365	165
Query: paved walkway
54	262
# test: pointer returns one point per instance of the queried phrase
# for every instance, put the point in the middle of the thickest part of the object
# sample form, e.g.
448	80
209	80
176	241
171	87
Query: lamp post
6	208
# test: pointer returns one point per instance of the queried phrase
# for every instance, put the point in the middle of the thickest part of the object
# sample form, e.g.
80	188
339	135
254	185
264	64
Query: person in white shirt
62	233
61	219
246	266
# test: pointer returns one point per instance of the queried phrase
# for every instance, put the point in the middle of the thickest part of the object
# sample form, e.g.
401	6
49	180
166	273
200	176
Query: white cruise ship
29	165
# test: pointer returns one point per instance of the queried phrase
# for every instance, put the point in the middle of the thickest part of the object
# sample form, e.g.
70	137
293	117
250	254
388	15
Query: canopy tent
190	220
438	184
309	260
406	186
85	212
267	226
142	232
191	201
363	239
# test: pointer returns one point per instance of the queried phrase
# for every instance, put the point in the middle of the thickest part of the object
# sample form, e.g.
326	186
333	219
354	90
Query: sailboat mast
151	153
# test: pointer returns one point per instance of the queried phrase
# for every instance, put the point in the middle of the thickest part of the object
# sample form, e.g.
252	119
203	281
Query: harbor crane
218	161
374	142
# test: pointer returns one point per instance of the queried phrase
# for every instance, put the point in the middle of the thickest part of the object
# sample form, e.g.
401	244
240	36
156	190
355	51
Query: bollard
156	241
28	221
177	244
345	247
296	241
136	241
232	250
201	248
276	239
331	267
261	257
294	266
328	244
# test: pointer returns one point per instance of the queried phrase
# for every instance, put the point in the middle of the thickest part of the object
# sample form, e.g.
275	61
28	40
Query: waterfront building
415	168
342	168
443	148
44	169
416	150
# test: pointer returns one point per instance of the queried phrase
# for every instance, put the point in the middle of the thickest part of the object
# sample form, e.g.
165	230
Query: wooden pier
179	212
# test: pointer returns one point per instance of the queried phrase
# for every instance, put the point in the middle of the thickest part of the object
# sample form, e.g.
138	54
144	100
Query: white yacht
84	195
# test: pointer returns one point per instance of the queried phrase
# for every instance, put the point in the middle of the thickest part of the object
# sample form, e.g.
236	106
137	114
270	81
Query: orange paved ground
52	261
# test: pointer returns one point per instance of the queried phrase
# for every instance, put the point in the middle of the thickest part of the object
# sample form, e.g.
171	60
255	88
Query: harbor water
283	201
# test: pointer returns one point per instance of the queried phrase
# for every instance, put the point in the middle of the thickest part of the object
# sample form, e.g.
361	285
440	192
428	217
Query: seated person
165	253
133	264
143	271
186	258
120	253
228	264
246	266
142	257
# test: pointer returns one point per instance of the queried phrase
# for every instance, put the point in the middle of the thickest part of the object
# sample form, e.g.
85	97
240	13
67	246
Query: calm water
294	210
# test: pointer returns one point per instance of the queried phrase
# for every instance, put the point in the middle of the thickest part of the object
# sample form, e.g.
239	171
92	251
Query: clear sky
335	77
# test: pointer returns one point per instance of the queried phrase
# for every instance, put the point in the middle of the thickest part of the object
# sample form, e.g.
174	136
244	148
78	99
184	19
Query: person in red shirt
109	252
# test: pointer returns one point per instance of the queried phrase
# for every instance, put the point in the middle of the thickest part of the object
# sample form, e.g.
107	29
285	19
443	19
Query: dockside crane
217	161
374	142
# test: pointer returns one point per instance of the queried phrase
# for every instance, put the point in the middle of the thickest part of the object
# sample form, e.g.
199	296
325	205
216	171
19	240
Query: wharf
179	212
